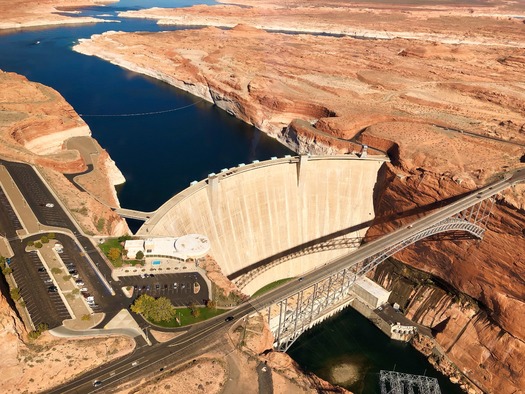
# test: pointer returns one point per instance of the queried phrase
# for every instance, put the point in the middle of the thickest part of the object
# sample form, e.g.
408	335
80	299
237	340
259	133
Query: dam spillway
253	213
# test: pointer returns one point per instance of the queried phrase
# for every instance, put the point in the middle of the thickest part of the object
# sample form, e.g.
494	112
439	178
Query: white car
50	205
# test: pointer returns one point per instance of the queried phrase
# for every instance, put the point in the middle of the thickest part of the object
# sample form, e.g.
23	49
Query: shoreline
22	16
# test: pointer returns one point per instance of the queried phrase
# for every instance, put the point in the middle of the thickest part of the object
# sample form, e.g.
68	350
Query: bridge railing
312	302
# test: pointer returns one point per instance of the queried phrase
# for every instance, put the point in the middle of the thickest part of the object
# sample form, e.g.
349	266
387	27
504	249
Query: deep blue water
161	154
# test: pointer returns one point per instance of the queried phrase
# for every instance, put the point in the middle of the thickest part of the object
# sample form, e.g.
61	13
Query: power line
141	113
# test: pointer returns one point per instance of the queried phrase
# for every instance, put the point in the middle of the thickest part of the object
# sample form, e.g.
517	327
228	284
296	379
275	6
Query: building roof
372	288
194	245
134	244
187	246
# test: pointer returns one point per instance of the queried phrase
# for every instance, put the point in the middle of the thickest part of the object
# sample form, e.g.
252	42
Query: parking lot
30	186
43	306
9	212
176	287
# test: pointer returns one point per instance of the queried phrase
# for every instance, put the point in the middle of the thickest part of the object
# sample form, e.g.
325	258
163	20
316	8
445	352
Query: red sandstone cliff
39	127
17	14
446	103
465	336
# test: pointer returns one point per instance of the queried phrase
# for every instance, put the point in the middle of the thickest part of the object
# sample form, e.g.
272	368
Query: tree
44	239
139	255
143	305
163	310
211	304
15	293
160	309
114	254
38	245
51	235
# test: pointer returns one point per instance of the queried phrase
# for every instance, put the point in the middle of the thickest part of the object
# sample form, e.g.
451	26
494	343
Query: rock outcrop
442	94
39	127
467	341
18	14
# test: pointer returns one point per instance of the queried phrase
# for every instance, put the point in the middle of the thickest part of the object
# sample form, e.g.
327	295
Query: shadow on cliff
397	219
374	224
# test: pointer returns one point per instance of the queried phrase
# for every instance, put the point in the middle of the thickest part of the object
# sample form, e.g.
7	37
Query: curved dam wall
254	214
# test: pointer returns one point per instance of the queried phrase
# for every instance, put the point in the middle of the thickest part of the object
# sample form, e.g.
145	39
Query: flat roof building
370	292
183	248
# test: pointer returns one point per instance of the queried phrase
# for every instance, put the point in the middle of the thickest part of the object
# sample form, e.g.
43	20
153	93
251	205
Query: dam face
255	214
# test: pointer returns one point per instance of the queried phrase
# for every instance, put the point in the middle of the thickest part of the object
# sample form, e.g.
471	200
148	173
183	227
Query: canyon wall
39	127
445	102
465	334
18	14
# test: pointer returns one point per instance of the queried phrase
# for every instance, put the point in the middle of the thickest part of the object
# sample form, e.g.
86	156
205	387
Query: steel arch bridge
288	318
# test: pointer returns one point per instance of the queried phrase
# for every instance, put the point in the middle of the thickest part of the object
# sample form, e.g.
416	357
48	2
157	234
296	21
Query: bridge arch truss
315	302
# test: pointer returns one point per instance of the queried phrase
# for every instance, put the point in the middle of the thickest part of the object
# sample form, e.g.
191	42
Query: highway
200	336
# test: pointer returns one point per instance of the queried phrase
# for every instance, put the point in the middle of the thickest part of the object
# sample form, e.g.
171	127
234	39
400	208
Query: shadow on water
349	350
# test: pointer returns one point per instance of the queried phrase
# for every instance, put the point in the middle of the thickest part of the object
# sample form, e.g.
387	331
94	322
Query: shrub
15	293
114	254
100	224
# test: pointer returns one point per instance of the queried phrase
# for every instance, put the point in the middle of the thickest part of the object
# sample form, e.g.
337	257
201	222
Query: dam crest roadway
320	291
265	224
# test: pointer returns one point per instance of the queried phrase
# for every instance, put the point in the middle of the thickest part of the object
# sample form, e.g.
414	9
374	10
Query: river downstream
161	153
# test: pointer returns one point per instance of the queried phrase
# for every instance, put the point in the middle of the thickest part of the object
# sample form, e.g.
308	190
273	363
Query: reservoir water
161	154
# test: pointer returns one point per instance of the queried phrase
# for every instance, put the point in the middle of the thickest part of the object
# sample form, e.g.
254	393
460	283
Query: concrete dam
266	220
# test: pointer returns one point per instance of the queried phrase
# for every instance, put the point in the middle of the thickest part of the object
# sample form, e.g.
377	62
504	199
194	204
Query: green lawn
115	243
270	286
186	318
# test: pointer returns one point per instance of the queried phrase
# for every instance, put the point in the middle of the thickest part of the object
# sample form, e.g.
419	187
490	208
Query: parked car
52	289
41	269
79	282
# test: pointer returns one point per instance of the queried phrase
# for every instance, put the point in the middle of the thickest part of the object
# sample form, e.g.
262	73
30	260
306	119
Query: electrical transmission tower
401	383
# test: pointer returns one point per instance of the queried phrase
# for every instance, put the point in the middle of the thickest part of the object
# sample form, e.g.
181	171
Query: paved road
172	352
44	307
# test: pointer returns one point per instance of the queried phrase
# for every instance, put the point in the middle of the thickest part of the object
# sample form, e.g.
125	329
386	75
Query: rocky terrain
39	127
240	362
19	14
443	94
465	335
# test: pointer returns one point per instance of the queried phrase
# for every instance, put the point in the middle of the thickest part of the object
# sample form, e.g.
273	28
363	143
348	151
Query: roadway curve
200	336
